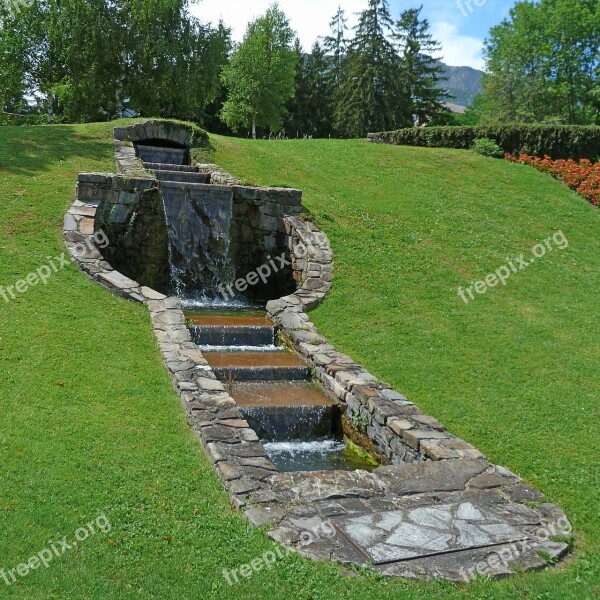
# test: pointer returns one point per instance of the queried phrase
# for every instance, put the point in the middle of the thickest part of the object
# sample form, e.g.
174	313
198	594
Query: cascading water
198	221
305	438
300	426
284	423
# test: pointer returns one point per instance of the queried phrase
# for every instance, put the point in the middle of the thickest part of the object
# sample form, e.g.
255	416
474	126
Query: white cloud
458	50
310	19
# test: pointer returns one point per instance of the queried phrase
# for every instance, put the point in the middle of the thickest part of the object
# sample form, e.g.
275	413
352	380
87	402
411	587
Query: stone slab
393	536
427	477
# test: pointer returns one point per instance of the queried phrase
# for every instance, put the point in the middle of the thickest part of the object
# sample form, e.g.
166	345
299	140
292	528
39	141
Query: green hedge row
537	140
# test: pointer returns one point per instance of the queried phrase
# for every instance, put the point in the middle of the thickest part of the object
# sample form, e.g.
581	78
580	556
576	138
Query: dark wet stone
448	475
523	493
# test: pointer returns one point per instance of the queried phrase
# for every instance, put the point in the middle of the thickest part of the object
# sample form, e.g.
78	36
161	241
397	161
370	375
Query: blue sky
461	31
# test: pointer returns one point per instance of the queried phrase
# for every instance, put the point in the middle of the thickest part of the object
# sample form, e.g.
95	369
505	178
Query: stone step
215	335
168	167
231	330
257	366
182	176
282	394
180	187
303	423
158	154
228	320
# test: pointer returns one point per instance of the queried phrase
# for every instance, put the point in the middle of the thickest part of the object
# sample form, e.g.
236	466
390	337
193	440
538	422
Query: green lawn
90	424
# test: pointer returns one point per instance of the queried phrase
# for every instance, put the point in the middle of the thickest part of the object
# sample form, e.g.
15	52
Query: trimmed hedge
565	142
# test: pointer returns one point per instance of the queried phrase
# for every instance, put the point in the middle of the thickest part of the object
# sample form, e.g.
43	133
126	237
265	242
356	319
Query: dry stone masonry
436	508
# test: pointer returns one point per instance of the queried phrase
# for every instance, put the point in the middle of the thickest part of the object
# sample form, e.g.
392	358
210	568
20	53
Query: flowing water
299	425
198	220
320	455
305	437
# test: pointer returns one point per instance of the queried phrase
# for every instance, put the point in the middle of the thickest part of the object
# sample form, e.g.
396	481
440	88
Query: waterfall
284	423
198	221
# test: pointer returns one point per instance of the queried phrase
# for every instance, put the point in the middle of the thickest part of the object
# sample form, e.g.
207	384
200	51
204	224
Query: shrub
558	142
583	176
487	147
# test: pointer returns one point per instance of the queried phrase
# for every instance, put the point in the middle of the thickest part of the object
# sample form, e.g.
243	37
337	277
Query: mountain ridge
462	83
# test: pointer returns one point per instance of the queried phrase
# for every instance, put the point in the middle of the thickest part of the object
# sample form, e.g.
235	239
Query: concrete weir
433	506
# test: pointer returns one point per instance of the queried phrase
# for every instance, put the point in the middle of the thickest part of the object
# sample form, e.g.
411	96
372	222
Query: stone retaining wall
125	139
131	215
127	203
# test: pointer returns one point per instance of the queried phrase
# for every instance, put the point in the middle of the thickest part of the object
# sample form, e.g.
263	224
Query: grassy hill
90	424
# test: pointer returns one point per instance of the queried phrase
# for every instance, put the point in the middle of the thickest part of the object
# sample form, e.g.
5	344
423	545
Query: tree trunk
50	108
253	129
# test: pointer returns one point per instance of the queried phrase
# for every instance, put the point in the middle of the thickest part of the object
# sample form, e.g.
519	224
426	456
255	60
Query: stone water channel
271	401
299	424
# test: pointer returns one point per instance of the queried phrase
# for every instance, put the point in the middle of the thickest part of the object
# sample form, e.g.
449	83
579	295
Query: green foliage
389	75
90	59
361	452
260	76
537	140
543	64
487	147
421	72
369	92
360	423
336	45
311	110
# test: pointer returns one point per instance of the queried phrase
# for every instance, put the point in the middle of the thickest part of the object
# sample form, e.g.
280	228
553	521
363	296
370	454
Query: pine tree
311	110
421	70
336	45
369	92
323	93
295	122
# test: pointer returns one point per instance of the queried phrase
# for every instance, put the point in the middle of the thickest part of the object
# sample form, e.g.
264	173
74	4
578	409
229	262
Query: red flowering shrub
582	176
